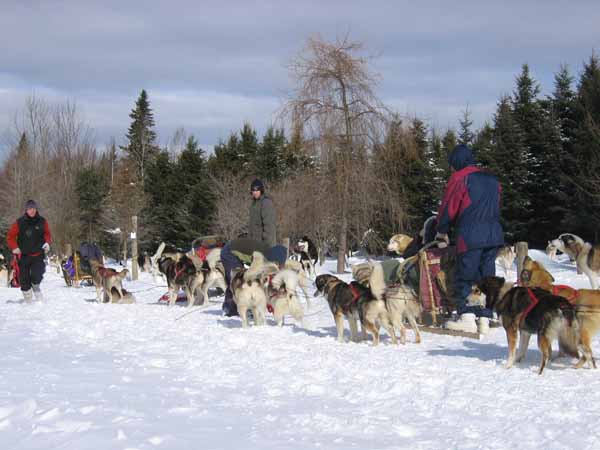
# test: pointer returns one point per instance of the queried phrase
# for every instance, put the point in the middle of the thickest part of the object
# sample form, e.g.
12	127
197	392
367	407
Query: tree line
342	167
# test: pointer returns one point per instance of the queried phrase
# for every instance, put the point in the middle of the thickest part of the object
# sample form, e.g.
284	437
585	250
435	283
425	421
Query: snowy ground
75	374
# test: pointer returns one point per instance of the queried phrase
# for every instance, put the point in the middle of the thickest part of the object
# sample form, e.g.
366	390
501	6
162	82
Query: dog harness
571	299
533	304
355	296
106	272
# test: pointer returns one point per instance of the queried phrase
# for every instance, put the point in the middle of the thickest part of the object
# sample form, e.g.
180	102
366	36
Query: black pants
230	262
31	270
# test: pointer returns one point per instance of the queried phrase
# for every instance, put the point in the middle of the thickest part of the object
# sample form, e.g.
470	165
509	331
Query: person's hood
460	157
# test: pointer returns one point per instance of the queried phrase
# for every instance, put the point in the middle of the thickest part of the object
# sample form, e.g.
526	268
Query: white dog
282	296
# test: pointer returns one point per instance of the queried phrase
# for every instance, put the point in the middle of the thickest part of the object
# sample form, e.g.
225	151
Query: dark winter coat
471	203
261	225
29	234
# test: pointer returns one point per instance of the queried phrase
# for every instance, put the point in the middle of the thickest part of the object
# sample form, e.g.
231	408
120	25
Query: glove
46	247
442	237
16	251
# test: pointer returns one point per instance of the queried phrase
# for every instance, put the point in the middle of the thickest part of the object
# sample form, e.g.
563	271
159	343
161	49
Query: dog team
257	275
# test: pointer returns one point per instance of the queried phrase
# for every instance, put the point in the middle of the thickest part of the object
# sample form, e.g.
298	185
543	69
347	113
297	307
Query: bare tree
334	99
232	201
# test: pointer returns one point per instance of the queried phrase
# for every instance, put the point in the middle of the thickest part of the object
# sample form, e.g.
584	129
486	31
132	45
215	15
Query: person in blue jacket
471	205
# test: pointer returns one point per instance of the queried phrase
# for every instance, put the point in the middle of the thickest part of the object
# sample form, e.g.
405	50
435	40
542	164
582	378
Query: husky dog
309	256
354	301
568	243
303	281
281	290
247	286
505	258
588	261
4	272
551	250
587	311
108	280
127	297
400	300
145	262
181	273
399	243
526	311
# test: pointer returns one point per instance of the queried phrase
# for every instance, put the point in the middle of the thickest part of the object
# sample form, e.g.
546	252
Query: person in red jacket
29	239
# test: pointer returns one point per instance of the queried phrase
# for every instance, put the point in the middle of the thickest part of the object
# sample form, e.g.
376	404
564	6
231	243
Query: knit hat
30	204
277	254
257	185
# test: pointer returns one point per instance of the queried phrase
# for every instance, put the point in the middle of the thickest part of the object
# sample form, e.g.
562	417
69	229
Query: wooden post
522	251
134	249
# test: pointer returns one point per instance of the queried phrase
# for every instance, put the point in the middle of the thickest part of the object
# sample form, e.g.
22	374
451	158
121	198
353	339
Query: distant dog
309	255
551	250
145	262
588	261
587	311
4	272
354	302
505	258
525	311
281	292
181	274
108	280
127	297
568	243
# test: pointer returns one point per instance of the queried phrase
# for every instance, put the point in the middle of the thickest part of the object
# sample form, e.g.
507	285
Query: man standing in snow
262	220
471	204
29	238
239	251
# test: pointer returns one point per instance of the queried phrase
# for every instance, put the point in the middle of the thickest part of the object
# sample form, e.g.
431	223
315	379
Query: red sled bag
14	265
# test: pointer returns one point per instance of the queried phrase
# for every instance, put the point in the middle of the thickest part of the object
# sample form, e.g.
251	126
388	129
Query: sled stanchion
522	250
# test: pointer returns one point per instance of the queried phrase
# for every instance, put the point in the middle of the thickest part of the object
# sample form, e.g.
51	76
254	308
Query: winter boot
466	322
28	295
37	292
484	325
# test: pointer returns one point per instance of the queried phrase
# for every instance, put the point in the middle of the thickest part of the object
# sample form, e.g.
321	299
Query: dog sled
436	267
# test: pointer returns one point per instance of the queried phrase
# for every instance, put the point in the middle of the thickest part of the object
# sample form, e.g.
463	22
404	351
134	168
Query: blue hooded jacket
471	204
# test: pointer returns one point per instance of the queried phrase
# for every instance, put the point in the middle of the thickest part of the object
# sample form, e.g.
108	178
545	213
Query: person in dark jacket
29	239
471	205
262	219
238	252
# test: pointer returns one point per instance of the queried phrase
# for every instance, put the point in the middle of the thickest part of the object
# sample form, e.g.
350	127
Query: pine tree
542	149
586	149
465	135
508	157
141	147
269	161
483	146
92	188
197	205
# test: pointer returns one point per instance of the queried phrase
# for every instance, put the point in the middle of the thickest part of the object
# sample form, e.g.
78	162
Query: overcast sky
210	66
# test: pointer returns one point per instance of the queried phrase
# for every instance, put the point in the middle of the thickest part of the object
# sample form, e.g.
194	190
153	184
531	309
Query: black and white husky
309	255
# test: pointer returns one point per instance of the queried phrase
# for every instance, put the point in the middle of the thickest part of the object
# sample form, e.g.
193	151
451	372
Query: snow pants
471	266
31	270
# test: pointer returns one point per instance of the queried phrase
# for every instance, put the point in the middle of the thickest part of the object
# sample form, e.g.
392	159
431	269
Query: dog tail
377	282
255	271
